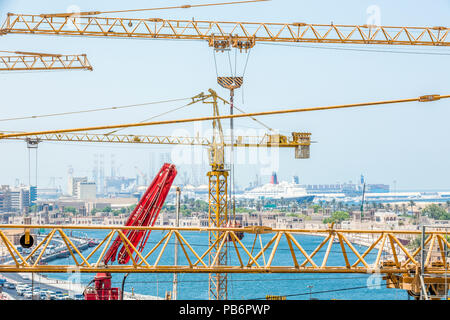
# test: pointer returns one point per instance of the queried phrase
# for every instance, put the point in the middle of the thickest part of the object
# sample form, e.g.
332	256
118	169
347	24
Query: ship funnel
274	179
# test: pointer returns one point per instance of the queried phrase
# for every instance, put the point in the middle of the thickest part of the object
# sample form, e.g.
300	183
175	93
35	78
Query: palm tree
404	208
412	204
294	206
333	202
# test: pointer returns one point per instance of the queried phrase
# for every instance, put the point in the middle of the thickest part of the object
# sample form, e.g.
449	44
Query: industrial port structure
223	36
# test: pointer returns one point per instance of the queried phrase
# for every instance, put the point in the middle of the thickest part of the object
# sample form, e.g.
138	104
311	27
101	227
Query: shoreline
72	287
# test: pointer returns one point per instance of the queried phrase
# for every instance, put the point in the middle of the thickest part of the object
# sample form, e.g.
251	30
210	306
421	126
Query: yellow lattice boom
224	34
39	62
257	257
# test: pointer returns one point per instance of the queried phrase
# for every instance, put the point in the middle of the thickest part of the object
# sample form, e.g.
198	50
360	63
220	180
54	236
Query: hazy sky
407	143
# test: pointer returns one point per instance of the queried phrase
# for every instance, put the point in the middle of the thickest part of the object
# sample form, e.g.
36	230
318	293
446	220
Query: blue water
252	286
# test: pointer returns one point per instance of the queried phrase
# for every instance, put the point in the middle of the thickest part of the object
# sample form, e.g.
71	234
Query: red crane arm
144	215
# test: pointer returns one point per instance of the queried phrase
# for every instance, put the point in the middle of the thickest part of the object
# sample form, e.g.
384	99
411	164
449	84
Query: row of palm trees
403	208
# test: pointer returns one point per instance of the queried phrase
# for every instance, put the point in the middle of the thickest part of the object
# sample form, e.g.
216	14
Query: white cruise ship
278	191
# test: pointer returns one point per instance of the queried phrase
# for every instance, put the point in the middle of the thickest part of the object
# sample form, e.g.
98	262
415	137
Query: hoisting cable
426	98
243	73
153	117
186	6
324	291
92	110
256	120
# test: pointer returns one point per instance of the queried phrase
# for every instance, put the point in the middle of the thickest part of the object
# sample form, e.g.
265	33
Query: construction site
220	91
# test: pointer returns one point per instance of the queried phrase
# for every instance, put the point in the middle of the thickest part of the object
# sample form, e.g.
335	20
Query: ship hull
300	199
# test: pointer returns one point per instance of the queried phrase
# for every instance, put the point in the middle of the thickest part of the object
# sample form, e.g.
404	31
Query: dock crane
34	61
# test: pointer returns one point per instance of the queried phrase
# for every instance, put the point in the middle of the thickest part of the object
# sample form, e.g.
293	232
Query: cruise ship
278	191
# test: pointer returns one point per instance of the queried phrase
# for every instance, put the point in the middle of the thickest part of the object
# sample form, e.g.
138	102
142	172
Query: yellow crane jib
31	61
222	35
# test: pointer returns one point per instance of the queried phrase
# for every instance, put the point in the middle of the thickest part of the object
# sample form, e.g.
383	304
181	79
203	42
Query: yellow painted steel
27	61
150	261
218	176
427	98
298	139
217	253
224	34
218	218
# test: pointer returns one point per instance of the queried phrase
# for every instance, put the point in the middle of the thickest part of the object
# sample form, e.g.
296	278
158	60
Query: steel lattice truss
300	139
44	62
256	258
218	218
222	35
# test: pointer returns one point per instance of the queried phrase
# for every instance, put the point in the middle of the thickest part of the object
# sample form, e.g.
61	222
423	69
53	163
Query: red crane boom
144	215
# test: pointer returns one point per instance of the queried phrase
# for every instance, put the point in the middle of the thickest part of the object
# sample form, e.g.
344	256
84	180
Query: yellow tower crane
218	176
34	61
220	35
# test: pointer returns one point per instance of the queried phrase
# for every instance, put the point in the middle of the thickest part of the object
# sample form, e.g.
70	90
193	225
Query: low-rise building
386	218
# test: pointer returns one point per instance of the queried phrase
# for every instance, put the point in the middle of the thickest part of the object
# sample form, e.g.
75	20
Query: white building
387	218
86	190
14	199
72	187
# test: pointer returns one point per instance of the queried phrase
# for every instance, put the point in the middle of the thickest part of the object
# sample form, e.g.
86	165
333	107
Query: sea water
297	286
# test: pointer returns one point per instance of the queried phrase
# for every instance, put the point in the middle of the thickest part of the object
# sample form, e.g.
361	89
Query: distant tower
70	180
185	178
164	158
95	172
296	180
101	177
113	165
257	181
274	179
150	166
